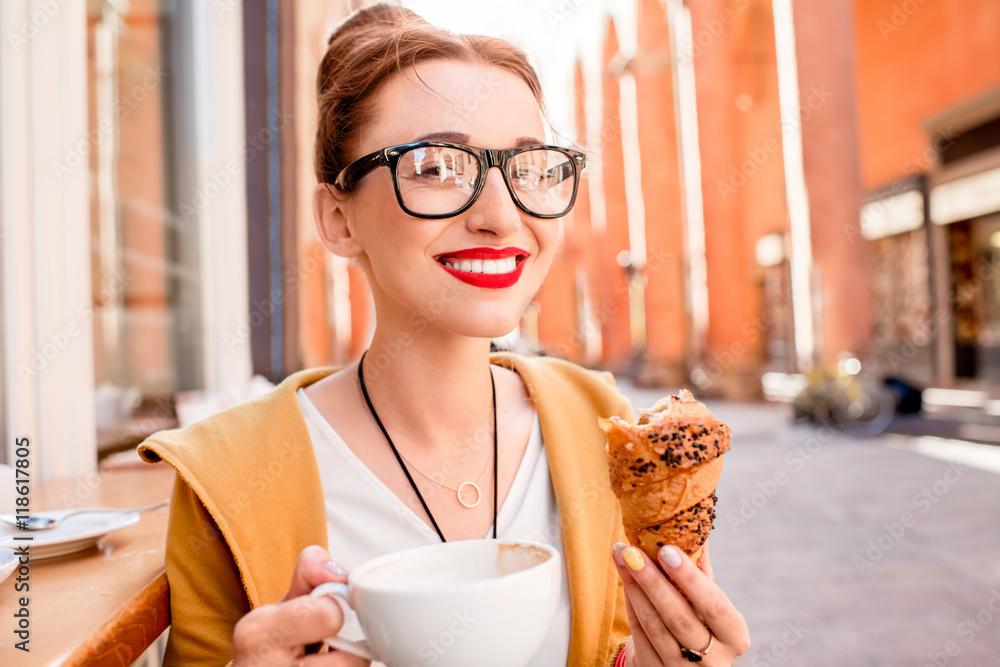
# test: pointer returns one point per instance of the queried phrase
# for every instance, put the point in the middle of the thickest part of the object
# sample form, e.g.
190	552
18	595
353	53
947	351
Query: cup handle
338	592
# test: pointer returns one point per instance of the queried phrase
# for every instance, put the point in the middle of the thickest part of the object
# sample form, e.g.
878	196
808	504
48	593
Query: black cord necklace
364	391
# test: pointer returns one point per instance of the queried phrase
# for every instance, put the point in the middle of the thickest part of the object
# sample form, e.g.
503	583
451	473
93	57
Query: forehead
493	106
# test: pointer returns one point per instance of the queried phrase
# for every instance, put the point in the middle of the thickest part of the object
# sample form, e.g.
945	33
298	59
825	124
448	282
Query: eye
434	170
438	165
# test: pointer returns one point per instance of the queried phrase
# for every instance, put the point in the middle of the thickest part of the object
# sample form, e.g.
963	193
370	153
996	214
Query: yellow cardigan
248	499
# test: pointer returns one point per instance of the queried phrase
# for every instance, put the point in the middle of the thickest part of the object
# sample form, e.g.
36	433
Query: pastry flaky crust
664	470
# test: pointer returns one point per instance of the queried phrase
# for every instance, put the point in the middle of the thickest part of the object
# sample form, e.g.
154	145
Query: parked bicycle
841	396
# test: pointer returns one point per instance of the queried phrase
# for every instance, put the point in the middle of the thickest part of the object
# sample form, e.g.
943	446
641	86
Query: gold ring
691	655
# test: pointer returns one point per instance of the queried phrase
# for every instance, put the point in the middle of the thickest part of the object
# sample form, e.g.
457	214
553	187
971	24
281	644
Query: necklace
461	487
364	391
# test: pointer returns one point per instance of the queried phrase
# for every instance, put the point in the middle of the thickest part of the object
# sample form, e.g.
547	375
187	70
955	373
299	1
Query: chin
484	323
485	329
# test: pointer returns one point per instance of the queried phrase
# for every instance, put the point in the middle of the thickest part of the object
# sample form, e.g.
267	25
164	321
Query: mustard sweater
248	499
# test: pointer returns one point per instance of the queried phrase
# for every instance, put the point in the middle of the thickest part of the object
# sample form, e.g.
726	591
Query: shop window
901	304
133	257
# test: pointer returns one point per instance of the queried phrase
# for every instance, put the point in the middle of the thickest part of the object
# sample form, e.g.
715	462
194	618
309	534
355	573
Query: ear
331	213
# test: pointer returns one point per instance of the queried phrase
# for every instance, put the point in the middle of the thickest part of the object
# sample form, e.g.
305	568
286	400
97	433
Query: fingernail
633	557
336	569
670	557
616	551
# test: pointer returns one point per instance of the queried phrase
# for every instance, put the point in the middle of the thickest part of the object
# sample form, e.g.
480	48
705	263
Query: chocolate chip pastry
664	470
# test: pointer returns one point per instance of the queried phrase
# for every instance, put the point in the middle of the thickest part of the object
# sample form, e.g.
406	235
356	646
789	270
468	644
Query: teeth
484	265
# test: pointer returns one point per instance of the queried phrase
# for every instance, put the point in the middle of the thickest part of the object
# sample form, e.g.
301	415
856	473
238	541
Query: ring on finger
692	655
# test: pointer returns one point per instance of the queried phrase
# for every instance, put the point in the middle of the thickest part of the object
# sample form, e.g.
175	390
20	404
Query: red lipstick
485	280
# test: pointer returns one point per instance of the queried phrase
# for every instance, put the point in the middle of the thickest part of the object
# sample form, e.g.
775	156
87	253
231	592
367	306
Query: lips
491	268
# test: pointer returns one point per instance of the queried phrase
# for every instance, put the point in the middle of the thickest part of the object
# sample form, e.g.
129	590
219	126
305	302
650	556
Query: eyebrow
460	138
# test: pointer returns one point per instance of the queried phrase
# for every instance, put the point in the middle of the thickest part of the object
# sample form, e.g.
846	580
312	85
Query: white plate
8	563
75	534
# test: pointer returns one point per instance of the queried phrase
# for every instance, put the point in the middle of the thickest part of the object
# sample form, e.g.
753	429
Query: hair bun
369	47
375	19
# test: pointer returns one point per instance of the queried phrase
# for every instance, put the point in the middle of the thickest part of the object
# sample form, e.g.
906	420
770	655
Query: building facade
770	184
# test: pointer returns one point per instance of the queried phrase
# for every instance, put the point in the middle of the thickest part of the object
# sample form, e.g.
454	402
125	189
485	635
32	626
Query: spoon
47	523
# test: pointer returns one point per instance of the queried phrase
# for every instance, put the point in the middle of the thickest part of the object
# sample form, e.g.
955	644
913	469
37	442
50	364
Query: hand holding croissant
664	470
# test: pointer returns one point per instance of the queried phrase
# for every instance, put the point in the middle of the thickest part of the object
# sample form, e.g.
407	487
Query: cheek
545	261
387	236
547	238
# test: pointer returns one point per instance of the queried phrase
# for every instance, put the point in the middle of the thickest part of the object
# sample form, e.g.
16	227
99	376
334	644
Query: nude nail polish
616	551
670	557
336	569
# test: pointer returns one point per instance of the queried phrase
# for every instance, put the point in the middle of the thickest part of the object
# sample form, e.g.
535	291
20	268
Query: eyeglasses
439	179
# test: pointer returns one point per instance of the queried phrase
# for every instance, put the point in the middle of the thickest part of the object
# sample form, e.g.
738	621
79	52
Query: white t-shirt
365	519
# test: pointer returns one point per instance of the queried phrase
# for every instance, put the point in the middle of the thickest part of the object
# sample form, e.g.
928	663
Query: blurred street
856	552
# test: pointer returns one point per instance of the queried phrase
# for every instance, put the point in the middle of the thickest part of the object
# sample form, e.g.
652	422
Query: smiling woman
453	212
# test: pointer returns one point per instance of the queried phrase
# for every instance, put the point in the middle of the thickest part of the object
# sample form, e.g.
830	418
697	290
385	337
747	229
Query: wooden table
115	588
131	431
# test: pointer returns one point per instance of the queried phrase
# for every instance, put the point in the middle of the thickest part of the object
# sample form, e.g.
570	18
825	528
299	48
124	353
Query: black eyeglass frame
487	158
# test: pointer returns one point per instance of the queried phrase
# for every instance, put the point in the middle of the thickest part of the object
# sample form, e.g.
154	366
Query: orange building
863	219
707	290
928	81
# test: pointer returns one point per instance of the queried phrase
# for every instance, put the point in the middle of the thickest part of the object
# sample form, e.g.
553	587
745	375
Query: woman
428	438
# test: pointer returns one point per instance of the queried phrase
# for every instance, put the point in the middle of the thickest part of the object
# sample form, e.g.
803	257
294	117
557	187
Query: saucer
75	534
8	563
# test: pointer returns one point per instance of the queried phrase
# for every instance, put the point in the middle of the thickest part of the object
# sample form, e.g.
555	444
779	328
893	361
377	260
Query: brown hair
370	46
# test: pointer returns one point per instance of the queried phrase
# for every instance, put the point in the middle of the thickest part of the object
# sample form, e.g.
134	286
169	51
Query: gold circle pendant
479	494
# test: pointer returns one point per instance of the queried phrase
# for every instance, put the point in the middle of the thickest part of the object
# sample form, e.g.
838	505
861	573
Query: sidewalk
964	424
856	552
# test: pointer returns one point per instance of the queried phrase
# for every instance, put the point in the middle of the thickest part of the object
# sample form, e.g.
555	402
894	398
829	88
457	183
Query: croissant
664	470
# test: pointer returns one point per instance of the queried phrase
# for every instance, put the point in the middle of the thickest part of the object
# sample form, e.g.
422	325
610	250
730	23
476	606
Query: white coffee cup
487	603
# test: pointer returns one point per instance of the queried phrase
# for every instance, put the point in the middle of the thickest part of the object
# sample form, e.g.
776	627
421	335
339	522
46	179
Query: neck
432	390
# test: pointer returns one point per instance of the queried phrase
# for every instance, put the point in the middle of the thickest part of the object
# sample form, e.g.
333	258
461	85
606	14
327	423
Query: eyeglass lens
436	180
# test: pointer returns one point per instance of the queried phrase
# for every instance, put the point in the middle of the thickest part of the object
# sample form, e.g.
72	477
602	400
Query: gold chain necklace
399	458
458	491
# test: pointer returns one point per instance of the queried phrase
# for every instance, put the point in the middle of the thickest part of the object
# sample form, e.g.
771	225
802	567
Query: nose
494	211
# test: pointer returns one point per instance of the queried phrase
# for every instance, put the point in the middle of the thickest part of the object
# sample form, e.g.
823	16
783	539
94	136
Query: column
46	352
564	326
729	366
666	319
612	309
825	52
315	311
556	302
